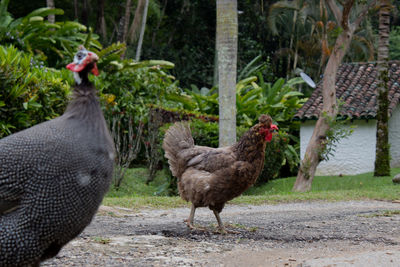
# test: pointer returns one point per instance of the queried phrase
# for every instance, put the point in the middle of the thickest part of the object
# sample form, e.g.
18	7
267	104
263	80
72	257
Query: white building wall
356	154
394	137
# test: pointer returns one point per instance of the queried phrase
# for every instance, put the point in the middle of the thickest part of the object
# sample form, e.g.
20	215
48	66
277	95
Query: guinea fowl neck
84	111
84	103
82	77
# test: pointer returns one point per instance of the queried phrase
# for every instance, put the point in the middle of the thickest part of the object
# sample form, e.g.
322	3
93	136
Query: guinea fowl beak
82	59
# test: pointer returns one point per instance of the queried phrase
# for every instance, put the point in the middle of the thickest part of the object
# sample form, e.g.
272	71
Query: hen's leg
221	225
190	220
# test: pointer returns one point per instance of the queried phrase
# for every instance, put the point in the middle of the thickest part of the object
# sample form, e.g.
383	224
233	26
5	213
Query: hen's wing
209	159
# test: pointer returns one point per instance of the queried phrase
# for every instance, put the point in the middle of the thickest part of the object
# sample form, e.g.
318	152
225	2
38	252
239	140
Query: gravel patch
353	233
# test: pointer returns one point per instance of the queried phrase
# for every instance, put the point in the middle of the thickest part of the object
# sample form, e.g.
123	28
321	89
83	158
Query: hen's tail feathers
177	138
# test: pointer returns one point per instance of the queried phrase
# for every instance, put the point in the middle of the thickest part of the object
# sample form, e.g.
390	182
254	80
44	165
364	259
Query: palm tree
304	24
382	154
142	29
295	19
126	20
227	38
51	18
311	31
76	9
101	22
134	28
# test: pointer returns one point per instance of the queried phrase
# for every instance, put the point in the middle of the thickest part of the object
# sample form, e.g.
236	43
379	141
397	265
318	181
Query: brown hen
209	177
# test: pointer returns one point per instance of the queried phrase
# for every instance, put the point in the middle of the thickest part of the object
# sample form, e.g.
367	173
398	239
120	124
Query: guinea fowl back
55	174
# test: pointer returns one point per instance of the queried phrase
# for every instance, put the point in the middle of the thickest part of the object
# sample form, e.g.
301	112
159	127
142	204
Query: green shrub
275	157
205	133
130	88
54	43
394	40
30	93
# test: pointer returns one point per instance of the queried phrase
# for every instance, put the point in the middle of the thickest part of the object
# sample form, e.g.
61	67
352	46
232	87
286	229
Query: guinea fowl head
266	128
84	62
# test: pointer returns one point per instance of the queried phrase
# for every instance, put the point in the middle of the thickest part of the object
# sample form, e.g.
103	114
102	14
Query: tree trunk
329	111
142	29
382	154
51	18
123	25
135	26
127	18
76	9
101	22
153	39
227	37
85	13
292	36
215	71
312	157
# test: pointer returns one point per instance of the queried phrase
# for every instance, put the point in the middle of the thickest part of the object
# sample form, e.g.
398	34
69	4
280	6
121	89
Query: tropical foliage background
175	76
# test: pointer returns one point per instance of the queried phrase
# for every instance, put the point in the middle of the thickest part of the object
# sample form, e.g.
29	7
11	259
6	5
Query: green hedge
30	93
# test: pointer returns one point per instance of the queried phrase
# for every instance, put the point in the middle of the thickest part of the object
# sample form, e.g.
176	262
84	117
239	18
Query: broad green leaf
294	81
44	12
36	19
292	93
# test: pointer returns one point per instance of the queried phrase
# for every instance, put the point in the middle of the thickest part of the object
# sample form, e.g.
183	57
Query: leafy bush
394	40
54	43
30	93
205	133
278	153
130	88
254	97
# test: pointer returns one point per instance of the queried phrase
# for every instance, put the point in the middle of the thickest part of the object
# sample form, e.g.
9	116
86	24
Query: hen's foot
193	227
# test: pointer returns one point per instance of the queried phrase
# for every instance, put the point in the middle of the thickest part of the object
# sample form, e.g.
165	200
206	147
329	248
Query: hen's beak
273	128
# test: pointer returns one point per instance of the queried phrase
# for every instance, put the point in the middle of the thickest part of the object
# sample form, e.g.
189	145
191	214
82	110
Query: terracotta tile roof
356	87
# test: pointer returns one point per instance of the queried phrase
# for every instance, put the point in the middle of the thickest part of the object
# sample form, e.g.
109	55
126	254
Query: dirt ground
359	233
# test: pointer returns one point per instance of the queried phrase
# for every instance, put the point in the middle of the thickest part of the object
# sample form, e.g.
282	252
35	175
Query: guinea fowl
209	177
53	176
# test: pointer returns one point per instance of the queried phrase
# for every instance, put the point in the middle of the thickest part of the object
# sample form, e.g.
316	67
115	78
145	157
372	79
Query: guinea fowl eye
79	56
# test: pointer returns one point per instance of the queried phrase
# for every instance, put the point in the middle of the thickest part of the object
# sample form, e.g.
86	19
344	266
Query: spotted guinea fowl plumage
53	176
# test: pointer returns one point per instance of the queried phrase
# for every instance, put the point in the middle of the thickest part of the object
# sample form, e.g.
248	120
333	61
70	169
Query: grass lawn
135	194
